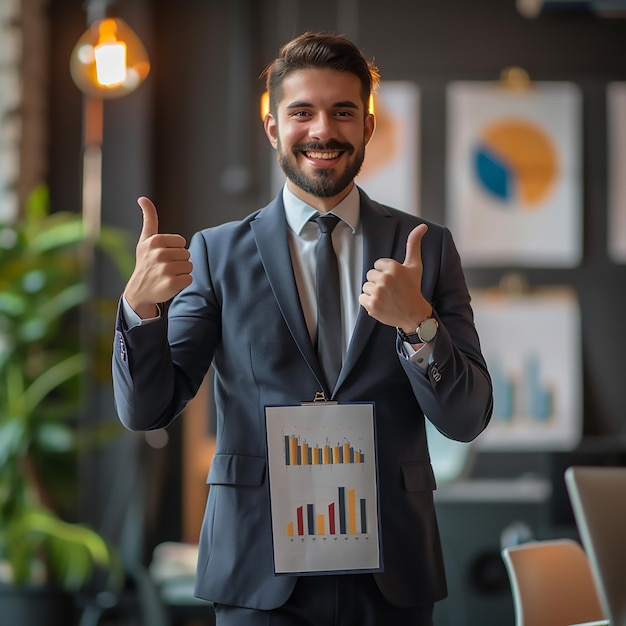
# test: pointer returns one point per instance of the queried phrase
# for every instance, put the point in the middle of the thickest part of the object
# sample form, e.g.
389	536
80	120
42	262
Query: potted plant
43	361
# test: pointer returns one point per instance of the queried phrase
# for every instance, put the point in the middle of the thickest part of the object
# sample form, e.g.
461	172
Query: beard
323	183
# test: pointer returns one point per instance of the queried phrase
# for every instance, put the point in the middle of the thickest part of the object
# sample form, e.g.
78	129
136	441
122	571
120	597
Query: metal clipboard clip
320	397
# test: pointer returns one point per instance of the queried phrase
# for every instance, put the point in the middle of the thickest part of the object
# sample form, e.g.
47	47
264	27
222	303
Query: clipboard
323	480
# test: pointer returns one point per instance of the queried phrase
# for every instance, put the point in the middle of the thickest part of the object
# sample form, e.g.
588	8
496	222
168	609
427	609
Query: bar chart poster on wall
532	347
513	173
323	488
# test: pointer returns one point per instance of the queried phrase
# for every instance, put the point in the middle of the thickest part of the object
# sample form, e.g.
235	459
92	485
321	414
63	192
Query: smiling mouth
325	156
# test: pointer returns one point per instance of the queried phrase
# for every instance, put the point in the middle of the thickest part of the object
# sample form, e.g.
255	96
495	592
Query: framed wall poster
616	139
532	347
514	193
390	172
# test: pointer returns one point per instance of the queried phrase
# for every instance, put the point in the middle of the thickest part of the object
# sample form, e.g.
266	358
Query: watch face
427	330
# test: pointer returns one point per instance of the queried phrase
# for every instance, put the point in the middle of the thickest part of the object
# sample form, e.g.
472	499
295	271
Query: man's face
320	132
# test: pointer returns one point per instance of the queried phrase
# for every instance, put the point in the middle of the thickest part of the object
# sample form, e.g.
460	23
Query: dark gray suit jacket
242	313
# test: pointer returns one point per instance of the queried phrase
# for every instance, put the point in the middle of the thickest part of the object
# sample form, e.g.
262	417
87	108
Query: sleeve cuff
132	319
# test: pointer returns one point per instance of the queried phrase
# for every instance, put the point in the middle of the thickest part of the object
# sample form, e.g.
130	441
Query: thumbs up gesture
393	291
162	266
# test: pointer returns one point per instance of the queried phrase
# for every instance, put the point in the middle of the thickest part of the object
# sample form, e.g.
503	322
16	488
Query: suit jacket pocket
418	477
236	469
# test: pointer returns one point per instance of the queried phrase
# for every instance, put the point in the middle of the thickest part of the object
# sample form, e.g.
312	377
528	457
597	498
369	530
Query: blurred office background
191	138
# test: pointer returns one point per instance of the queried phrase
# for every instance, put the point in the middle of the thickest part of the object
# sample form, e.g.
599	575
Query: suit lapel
379	236
270	233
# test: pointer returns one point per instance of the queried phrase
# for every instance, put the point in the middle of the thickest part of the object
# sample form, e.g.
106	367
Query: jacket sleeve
455	391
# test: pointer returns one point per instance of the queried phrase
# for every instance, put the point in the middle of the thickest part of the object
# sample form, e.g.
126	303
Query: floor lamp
108	61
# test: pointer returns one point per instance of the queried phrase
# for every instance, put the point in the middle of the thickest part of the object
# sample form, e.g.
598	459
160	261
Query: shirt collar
298	212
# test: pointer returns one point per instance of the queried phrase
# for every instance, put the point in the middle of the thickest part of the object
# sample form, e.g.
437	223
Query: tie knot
326	222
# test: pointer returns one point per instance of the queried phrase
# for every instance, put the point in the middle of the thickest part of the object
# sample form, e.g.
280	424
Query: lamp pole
108	61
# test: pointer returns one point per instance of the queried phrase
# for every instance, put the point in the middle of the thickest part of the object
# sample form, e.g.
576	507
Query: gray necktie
328	301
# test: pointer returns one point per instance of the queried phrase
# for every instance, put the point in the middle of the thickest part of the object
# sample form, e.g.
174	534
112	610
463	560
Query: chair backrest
598	497
552	583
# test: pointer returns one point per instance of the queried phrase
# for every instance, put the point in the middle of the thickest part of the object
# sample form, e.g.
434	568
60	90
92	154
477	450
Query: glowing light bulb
110	56
109	60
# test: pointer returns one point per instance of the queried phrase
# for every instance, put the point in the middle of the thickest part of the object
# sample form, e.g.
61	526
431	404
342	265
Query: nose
322	127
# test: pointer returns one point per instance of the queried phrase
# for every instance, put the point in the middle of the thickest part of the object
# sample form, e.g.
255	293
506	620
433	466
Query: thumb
413	255
150	218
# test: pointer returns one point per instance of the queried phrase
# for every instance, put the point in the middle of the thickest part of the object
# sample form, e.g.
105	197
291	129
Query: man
248	305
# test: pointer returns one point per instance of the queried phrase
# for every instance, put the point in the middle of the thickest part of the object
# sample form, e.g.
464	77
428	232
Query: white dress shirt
348	244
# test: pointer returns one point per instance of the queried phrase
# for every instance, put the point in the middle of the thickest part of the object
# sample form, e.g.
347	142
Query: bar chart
299	452
345	516
323	487
531	342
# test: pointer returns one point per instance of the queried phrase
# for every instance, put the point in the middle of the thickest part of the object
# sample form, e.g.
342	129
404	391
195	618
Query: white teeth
322	155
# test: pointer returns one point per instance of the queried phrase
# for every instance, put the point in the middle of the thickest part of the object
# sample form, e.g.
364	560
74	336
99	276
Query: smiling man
324	293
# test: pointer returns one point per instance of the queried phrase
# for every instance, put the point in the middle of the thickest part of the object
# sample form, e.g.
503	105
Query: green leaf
66	233
54	437
64	301
53	378
38	203
11	439
73	550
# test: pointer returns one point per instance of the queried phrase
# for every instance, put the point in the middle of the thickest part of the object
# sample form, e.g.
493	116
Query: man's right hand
162	266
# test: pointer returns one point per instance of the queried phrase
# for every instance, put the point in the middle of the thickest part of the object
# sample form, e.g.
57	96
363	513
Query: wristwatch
424	333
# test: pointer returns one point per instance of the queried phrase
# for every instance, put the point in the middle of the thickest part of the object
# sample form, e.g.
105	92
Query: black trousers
344	600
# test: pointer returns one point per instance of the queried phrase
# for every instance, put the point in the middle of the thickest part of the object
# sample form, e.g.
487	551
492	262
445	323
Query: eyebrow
346	104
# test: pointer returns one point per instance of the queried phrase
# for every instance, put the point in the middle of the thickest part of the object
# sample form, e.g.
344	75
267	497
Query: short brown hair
319	50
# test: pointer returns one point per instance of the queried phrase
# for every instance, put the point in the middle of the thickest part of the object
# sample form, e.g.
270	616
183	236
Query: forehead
320	88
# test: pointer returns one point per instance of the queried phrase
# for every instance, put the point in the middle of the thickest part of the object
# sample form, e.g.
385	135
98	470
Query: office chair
552	584
598	497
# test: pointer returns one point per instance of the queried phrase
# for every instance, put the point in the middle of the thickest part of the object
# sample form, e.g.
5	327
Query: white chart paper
323	487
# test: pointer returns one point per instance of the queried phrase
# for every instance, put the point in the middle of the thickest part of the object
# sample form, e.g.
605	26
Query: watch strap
416	337
412	338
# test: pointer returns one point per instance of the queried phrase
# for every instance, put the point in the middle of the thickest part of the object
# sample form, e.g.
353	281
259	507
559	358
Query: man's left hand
393	291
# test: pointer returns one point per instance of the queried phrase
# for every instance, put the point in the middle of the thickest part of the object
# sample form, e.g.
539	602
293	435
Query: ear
271	129
370	126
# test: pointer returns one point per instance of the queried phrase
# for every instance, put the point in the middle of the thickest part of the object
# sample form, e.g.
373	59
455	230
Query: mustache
316	145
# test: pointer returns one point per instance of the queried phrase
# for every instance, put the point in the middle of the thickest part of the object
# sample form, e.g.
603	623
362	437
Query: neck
323	205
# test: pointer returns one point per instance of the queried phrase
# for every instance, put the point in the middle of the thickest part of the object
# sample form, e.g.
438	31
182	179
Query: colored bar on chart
293	451
363	517
316	456
290	529
326	458
342	510
300	520
310	518
321	525
337	456
331	518
352	511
